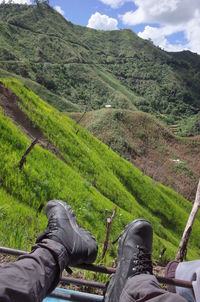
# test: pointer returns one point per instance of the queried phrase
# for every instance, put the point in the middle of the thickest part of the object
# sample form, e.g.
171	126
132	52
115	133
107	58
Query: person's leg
35	275
133	280
146	288
188	271
63	243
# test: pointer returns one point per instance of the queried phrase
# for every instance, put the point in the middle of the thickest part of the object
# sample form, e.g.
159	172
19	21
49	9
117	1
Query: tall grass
93	180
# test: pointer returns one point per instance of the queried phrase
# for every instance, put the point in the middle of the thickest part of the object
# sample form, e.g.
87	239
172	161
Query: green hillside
148	144
92	178
82	67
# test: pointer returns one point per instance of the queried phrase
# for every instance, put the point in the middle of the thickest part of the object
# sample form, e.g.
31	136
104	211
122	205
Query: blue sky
80	11
88	7
173	25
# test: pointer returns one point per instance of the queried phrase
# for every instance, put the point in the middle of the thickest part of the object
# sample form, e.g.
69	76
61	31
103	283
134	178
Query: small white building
108	106
177	161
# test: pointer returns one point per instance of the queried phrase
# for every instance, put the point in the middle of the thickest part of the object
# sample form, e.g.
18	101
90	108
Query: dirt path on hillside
9	103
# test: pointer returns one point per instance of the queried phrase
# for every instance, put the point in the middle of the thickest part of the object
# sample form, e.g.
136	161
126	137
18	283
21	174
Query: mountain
149	145
73	68
82	68
68	163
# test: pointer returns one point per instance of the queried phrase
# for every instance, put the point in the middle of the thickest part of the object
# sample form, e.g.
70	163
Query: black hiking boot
62	227
134	257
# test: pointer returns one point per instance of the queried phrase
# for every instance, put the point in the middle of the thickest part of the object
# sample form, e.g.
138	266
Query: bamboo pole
182	250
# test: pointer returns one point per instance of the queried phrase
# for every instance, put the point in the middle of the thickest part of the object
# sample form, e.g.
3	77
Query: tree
41	2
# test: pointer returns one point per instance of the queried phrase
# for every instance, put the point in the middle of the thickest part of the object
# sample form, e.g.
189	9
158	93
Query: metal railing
98	269
69	295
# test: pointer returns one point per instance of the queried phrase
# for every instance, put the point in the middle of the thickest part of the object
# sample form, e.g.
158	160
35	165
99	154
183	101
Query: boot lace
52	224
141	262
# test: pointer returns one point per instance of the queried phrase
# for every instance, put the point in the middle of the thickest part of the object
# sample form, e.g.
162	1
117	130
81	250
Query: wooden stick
182	250
80	119
23	159
109	223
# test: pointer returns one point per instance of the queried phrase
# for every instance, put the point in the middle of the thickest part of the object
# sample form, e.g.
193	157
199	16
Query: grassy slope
74	63
19	223
51	98
141	139
112	82
93	180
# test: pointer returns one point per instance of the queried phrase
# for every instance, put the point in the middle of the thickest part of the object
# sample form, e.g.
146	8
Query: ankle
58	251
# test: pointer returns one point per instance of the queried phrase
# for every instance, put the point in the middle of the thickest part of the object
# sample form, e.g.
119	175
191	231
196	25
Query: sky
173	25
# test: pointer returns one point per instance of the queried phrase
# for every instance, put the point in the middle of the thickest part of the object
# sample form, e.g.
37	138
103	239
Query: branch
80	119
182	250
109	223
23	159
162	253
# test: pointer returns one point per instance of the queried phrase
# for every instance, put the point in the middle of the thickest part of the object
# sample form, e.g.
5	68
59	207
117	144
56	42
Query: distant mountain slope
48	96
149	145
91	68
92	178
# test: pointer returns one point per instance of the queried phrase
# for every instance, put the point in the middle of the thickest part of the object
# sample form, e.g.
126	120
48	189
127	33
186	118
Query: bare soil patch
9	102
149	145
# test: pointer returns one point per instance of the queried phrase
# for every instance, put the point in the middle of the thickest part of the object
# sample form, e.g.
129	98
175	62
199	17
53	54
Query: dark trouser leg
33	276
143	287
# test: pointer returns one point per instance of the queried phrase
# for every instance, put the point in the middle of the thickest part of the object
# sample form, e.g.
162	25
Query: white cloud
102	22
172	16
192	33
165	11
59	10
17	1
115	3
159	37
